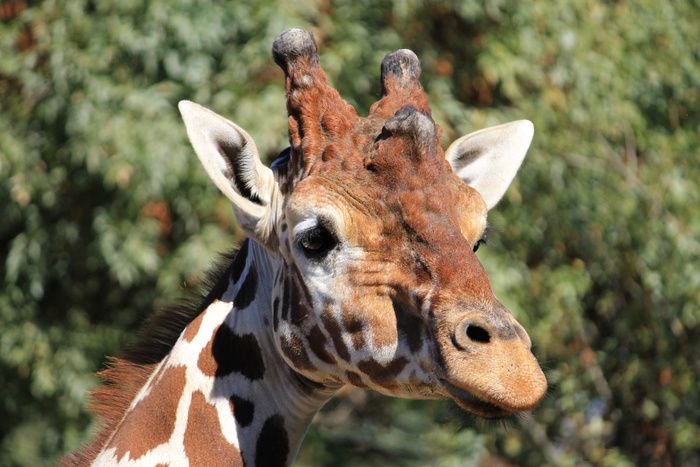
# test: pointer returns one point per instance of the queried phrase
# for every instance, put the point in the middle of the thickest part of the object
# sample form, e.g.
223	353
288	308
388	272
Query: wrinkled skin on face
374	227
392	305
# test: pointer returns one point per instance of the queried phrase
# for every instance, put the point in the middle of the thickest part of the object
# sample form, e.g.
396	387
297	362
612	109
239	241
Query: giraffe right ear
231	159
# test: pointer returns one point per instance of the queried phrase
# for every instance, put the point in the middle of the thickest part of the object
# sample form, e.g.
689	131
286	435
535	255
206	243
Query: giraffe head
375	229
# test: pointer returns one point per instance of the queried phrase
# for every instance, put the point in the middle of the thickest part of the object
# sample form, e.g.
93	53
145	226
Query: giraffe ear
487	160
231	159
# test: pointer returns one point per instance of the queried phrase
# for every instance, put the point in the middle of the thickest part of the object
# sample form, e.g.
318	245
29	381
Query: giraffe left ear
487	160
231	159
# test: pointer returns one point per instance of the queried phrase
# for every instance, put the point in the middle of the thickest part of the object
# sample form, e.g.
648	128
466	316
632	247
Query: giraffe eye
481	241
317	242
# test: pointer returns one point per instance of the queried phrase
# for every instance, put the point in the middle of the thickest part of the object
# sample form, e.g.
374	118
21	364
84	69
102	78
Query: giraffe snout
490	361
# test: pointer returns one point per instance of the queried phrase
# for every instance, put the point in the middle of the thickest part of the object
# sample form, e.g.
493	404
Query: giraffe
359	268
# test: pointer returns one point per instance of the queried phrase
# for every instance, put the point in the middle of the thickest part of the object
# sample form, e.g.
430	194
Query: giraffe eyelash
484	238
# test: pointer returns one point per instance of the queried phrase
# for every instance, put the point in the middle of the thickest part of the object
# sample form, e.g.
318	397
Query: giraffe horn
400	84
400	70
404	105
295	51
317	113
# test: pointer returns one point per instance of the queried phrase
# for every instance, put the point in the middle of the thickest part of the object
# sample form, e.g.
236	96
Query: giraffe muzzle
491	370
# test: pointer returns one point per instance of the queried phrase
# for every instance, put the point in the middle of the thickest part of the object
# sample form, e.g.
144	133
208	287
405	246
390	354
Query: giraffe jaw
474	404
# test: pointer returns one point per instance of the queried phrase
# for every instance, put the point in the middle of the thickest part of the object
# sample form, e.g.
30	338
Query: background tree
106	212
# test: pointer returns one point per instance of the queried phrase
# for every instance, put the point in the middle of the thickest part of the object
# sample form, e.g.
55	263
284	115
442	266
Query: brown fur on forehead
411	204
325	128
395	177
397	189
404	147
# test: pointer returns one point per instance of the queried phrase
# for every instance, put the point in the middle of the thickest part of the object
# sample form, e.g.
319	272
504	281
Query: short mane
126	374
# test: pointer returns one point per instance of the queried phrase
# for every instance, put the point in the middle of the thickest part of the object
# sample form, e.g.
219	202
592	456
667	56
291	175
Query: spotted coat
359	269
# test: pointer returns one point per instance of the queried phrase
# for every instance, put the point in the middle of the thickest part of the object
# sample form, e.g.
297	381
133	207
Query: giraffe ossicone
359	269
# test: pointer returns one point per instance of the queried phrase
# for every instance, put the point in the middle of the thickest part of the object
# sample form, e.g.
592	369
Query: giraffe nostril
470	333
477	334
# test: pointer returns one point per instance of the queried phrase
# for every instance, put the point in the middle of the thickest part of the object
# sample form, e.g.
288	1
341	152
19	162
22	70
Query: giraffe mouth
472	403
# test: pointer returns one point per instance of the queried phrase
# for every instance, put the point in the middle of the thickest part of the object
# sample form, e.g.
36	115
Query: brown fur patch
206	362
193	328
123	380
204	442
336	333
317	342
294	349
355	328
152	421
410	326
382	326
383	374
355	380
305	294
300	300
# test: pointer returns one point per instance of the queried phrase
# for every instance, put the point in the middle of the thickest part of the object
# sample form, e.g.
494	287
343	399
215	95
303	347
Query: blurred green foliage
106	212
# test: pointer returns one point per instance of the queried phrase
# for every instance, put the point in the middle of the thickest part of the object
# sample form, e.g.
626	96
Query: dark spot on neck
234	353
286	297
243	410
275	313
239	263
272	448
246	294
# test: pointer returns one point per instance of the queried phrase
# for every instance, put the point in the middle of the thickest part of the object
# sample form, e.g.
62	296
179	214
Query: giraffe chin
473	404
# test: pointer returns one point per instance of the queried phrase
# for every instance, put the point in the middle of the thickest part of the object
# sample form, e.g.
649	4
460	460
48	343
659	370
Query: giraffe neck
223	394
